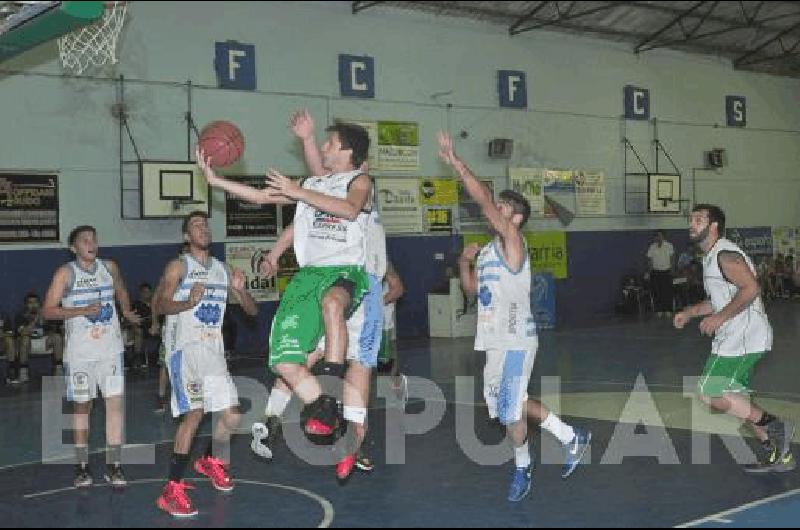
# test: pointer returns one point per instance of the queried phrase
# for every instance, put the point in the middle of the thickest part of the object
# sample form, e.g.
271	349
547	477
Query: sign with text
235	65
245	219
548	253
754	241
529	182
28	208
241	256
400	207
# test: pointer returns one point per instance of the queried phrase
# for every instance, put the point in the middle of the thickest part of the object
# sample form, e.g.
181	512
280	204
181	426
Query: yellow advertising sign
548	252
438	192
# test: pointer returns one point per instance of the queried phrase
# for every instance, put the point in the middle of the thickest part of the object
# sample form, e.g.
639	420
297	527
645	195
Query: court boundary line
722	517
327	507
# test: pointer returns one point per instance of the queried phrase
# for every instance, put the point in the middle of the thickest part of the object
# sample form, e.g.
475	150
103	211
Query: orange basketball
223	142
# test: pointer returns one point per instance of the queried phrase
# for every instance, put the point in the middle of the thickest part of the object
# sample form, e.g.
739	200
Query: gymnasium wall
423	64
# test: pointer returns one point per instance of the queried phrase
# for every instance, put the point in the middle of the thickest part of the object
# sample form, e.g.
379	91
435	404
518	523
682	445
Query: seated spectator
632	289
796	275
145	342
788	276
768	288
682	279
230	331
779	276
8	348
37	336
695	287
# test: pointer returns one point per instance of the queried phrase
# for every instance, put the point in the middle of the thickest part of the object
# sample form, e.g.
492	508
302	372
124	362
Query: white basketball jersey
322	239
203	323
750	330
93	337
505	319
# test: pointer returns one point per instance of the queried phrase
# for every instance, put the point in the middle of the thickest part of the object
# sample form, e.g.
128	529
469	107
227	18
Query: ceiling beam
526	17
742	60
676	20
541	23
714	33
692	44
714	18
361	6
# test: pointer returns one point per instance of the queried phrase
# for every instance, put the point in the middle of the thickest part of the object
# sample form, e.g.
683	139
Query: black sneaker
771	461
83	477
115	476
323	417
264	436
781	434
364	462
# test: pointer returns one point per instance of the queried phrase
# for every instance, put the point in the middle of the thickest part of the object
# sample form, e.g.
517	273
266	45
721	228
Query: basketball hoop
96	44
178	204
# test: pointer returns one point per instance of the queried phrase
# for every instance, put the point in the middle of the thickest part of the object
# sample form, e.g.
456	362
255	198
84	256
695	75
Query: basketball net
96	44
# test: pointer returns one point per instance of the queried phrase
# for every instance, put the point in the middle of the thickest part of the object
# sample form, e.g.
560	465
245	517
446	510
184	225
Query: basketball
223	142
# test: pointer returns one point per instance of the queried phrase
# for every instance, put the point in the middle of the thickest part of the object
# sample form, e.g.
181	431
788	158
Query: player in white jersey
158	327
734	315
329	234
83	294
194	294
363	327
393	290
506	329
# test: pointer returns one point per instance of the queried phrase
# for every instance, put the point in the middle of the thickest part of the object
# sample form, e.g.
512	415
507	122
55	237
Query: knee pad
334	369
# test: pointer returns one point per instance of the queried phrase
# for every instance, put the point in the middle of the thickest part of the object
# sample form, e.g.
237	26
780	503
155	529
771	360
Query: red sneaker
214	469
175	501
345	467
317	428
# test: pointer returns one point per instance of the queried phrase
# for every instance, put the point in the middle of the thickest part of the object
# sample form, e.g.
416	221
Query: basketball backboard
172	189
664	193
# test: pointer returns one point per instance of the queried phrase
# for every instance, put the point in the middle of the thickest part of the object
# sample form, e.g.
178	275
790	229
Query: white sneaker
260	433
401	391
23	375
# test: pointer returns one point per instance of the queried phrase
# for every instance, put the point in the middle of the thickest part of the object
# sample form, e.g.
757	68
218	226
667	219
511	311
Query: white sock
563	432
522	455
277	402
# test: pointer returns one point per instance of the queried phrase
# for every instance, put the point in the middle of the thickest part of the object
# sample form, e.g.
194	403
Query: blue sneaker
520	484
575	451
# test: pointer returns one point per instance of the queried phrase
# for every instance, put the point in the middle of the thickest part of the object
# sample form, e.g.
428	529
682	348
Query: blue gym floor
439	485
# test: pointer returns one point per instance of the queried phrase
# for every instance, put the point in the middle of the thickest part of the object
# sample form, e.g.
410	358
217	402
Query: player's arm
699	310
735	269
469	276
121	294
173	275
237	189
509	233
347	208
154	309
302	125
52	309
269	266
396	287
238	291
